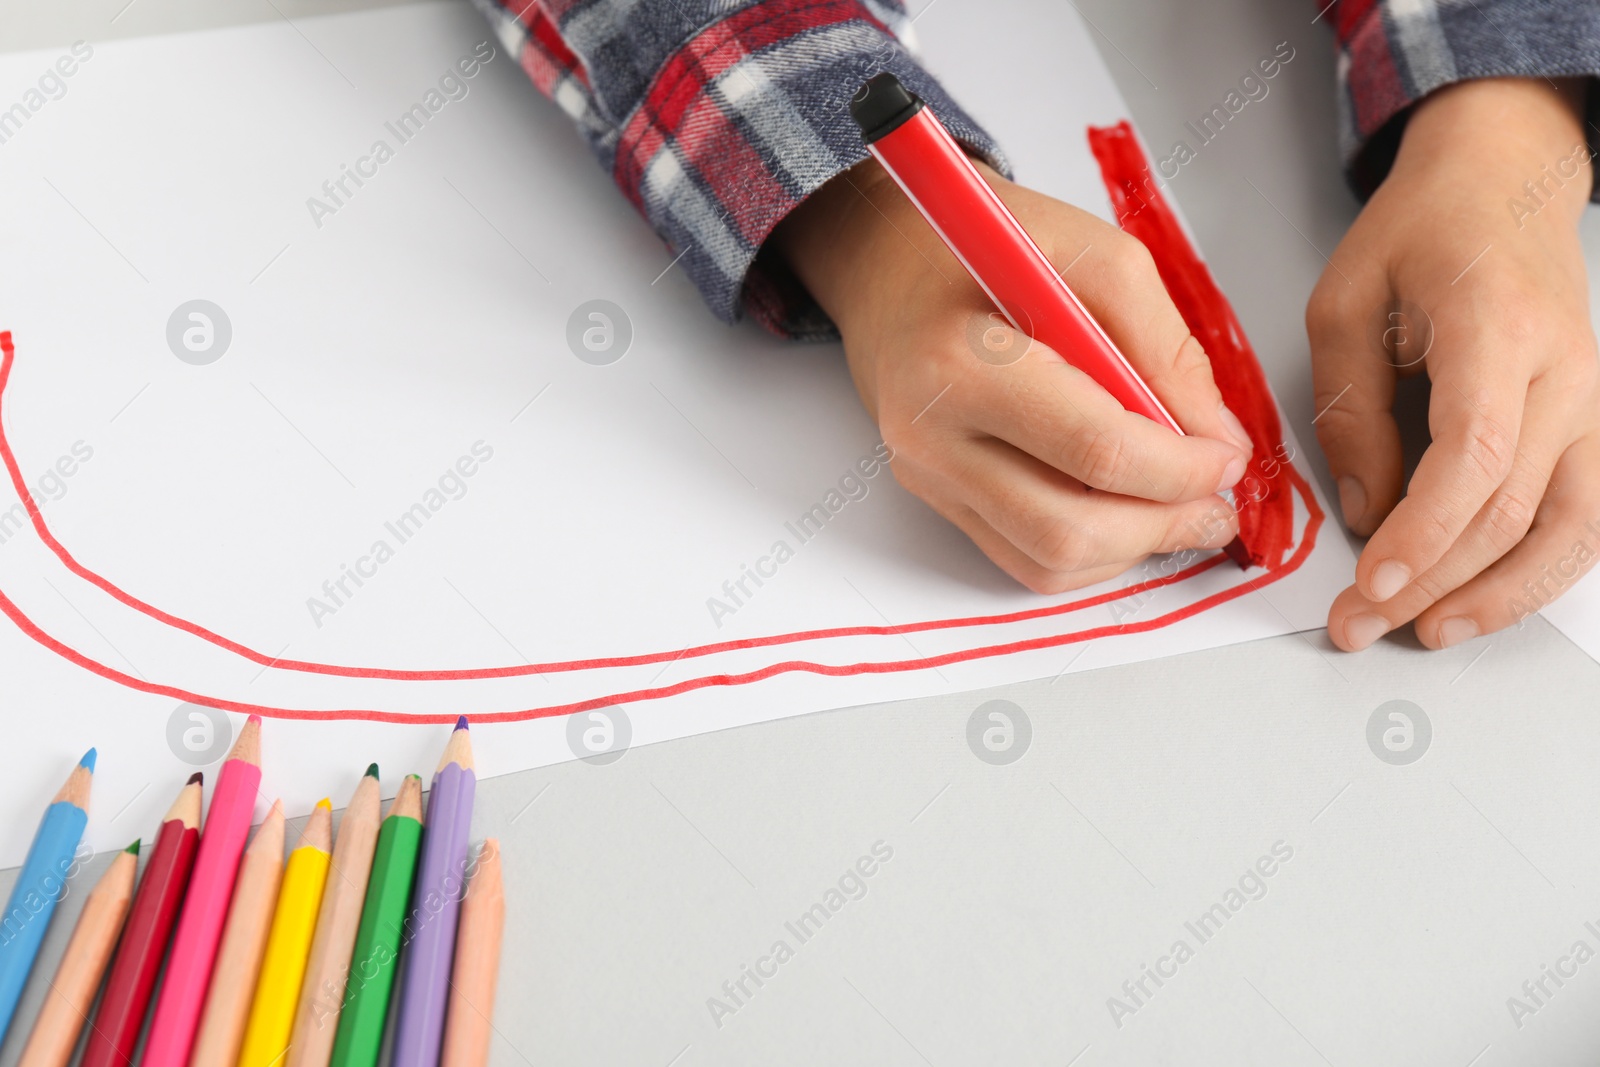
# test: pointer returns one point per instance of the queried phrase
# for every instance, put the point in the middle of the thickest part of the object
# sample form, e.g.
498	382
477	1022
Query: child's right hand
997	433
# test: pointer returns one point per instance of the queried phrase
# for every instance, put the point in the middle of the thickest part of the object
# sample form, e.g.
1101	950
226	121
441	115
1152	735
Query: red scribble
1265	505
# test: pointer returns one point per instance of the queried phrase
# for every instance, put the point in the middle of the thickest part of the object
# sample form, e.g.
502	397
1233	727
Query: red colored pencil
120	1017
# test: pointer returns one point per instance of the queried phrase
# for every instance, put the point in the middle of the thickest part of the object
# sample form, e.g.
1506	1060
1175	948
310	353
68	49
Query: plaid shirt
717	117
1392	53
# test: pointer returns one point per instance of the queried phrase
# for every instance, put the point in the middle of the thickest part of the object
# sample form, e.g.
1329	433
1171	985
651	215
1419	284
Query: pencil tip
254	720
325	803
197	778
372	770
133	848
461	723
87	762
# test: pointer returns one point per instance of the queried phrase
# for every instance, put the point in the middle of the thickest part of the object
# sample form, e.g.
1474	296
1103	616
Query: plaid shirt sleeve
717	118
1392	53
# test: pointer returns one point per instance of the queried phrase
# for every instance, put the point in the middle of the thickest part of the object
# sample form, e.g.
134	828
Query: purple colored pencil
430	927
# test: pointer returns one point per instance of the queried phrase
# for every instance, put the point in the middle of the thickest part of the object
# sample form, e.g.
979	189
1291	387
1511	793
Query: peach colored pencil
244	942
316	1020
55	1031
477	964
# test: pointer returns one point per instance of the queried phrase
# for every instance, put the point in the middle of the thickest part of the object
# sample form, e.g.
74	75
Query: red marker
935	173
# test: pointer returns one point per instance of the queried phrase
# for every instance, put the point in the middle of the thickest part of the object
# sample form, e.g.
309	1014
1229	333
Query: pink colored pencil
194	946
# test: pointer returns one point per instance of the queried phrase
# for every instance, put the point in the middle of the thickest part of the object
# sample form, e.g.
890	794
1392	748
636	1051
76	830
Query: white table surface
1020	897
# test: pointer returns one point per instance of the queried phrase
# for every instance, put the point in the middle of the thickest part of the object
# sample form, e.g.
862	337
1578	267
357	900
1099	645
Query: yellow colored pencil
266	1036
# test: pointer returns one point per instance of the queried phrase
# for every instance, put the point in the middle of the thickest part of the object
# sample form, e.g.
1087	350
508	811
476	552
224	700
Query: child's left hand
1500	517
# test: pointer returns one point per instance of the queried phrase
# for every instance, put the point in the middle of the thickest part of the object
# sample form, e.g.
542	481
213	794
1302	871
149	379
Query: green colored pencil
373	964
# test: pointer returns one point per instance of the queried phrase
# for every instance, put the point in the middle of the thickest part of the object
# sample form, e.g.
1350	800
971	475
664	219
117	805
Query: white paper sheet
418	333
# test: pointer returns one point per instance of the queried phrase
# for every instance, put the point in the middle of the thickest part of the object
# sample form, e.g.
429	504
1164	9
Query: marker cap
882	105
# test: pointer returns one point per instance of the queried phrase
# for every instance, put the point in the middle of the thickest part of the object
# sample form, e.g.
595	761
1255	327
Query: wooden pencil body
266	1035
205	908
244	942
40	885
316	1020
476	972
77	979
375	962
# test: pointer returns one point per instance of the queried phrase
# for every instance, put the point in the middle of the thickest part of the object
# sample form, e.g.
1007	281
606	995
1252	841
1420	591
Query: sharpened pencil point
198	777
134	848
254	719
461	723
372	770
325	803
87	762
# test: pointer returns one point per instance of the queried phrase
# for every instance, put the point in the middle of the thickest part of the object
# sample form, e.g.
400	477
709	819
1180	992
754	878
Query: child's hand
998	434
1493	523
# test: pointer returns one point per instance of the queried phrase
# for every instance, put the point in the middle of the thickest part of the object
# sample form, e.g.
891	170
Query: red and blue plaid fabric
1393	53
716	117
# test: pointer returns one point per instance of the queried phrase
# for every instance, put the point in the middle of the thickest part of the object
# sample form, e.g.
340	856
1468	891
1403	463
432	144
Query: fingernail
1231	474
1361	630
1352	500
1389	578
1455	630
1236	428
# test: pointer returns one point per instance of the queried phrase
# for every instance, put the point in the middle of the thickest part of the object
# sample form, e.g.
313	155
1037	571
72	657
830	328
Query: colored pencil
383	916
121	1014
477	968
266	1036
41	883
435	906
316	1019
194	946
244	942
77	979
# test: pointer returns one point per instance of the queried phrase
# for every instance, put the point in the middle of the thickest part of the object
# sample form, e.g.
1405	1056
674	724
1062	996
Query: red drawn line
1268	528
27	626
8	355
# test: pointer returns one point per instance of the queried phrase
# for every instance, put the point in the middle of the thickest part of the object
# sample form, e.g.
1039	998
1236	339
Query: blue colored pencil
41	884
